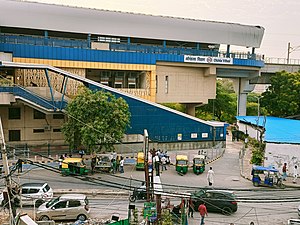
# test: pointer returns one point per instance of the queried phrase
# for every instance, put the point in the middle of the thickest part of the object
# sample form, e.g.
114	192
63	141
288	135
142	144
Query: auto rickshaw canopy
74	161
140	157
182	160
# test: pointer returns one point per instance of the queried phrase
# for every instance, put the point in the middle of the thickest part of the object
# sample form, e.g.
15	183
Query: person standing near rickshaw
93	163
122	165
284	171
295	175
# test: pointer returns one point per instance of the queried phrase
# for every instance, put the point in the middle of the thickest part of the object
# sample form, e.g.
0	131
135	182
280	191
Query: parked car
216	201
32	194
294	221
65	207
35	193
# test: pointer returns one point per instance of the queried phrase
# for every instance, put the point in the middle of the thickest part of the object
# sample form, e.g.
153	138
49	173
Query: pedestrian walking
210	176
284	171
20	165
203	212
295	175
156	164
61	159
122	165
163	163
118	164
191	208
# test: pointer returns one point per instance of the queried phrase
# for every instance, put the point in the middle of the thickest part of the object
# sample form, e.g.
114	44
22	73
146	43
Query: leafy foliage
95	118
252	105
223	108
282	97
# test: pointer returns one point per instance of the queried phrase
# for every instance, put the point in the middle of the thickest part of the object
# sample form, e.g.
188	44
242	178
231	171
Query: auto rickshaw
199	164
140	164
104	163
266	176
73	166
182	164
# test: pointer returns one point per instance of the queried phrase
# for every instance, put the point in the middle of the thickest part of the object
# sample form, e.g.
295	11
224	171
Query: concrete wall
184	84
278	154
27	124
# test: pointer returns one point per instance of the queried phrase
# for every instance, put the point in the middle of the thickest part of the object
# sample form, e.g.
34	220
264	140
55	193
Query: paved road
227	175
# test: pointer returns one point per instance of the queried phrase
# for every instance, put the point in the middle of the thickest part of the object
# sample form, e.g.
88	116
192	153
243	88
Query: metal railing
282	61
124	47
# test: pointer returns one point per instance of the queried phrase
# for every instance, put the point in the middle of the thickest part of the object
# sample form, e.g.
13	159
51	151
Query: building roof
103	22
278	130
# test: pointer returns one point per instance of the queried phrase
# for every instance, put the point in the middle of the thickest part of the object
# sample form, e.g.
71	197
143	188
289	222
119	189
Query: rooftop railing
140	48
282	61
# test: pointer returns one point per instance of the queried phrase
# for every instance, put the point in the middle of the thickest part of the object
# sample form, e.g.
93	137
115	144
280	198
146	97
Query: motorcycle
138	194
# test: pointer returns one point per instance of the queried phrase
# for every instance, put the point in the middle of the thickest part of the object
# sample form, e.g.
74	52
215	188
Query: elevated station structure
144	58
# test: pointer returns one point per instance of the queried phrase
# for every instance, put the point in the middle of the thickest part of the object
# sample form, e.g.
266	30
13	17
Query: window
58	116
46	188
167	84
74	203
14	135
38	130
33	191
38	115
56	130
14	113
61	205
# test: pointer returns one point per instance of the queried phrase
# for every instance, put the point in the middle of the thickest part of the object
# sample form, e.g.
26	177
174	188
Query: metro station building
48	51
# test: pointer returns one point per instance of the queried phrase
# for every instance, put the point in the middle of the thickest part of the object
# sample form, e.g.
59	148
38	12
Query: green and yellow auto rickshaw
73	166
140	162
182	164
199	164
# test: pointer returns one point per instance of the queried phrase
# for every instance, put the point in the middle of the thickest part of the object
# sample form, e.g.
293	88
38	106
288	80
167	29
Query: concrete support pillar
190	108
242	87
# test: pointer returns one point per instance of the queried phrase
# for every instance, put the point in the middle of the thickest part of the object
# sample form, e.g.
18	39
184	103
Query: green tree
282	97
252	105
95	118
223	108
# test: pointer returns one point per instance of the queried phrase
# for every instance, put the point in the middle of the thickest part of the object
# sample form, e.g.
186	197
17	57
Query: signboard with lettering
207	59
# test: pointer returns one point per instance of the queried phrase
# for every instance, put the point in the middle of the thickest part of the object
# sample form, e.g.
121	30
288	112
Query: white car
294	221
65	207
35	193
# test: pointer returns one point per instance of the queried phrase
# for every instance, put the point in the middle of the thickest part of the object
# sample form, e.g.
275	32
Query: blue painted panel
77	54
163	125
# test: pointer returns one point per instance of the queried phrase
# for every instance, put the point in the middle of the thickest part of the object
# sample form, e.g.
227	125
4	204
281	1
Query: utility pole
7	175
146	165
288	53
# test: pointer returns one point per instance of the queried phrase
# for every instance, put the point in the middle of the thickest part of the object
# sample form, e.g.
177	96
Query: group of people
160	159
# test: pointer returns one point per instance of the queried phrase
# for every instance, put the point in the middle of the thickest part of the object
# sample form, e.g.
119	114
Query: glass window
56	130
167	85
38	130
14	113
38	115
74	203
14	135
46	188
33	191
58	116
25	190
61	205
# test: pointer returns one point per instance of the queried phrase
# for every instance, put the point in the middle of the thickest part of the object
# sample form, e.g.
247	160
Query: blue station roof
278	130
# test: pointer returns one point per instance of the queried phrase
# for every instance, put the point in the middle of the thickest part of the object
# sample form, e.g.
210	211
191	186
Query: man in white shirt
210	176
